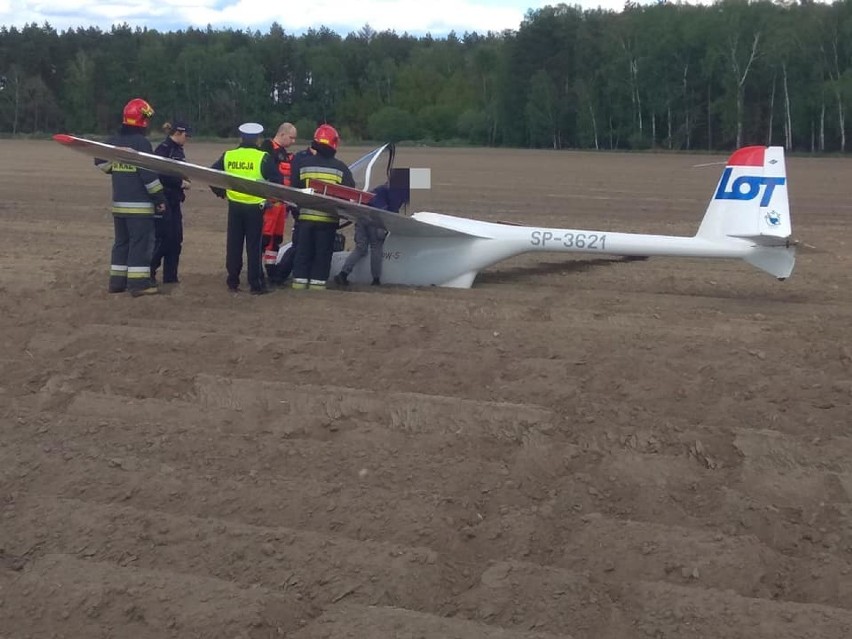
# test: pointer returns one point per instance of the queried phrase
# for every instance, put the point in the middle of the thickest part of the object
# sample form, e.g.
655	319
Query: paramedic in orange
275	213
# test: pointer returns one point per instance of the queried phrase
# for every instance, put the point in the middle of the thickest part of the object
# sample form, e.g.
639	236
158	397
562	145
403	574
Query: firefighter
275	214
169	227
285	265
136	195
245	212
317	229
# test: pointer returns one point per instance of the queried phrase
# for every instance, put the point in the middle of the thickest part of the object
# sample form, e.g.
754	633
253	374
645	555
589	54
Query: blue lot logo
747	187
773	218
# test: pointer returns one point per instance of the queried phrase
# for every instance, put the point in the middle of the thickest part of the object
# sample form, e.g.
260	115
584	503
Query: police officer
136	194
317	229
169	227
245	212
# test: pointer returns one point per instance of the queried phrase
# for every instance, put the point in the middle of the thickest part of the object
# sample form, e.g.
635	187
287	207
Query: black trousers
168	233
312	262
245	227
132	249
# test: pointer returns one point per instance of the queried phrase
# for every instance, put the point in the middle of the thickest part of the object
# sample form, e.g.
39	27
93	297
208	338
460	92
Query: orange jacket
283	157
275	215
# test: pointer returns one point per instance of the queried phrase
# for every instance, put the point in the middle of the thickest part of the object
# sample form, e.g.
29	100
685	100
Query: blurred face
285	138
180	137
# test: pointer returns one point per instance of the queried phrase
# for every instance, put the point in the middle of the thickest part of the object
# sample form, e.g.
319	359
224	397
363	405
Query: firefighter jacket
250	162
322	166
135	191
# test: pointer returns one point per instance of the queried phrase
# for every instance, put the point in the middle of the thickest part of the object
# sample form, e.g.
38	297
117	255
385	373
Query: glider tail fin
751	203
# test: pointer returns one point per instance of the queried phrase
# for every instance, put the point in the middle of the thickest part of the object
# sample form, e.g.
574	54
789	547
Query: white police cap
251	128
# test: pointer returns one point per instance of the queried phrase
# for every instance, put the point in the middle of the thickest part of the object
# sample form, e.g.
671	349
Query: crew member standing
136	194
369	237
284	268
275	214
169	227
317	228
245	211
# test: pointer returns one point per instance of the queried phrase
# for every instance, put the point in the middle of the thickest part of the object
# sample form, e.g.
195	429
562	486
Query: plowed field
585	448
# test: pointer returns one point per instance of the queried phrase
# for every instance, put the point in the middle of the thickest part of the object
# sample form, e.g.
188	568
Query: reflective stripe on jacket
322	169
135	191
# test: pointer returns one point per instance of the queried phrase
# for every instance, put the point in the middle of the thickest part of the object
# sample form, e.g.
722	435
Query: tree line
666	75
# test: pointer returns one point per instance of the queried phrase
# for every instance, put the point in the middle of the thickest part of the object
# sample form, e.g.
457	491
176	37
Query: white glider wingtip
392	222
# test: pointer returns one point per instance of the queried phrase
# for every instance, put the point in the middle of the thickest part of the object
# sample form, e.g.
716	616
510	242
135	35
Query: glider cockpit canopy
373	168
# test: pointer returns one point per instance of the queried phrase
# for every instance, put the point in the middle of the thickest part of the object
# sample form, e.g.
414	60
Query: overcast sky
416	17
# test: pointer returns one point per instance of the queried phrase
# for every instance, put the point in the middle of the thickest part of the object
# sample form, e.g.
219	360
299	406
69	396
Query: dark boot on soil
341	279
150	290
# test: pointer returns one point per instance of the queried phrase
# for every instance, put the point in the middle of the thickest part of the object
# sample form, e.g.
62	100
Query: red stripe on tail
747	156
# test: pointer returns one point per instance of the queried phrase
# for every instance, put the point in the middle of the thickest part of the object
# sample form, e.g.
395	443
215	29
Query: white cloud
416	17
397	15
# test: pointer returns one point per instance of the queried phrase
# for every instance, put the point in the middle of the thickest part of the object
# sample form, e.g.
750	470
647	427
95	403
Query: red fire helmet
137	112
327	134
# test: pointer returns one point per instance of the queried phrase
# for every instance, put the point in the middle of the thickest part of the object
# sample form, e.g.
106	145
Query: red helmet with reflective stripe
327	134
137	112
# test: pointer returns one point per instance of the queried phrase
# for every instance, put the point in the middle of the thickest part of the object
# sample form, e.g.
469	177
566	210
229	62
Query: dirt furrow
60	595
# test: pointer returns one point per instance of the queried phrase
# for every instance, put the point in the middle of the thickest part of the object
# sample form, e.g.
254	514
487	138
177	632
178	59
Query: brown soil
585	448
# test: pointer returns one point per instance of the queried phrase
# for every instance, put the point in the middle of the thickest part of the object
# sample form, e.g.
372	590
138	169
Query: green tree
541	112
392	124
10	99
80	95
475	127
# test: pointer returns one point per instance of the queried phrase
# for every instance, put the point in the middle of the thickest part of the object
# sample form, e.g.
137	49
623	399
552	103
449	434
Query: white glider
748	218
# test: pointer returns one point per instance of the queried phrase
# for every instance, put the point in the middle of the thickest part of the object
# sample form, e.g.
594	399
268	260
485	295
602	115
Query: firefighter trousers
132	249
314	249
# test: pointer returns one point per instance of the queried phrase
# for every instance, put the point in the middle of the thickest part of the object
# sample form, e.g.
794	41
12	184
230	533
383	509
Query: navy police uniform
169	227
245	211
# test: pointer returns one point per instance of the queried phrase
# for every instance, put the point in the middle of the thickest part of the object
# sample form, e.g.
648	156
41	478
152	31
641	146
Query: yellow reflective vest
244	162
